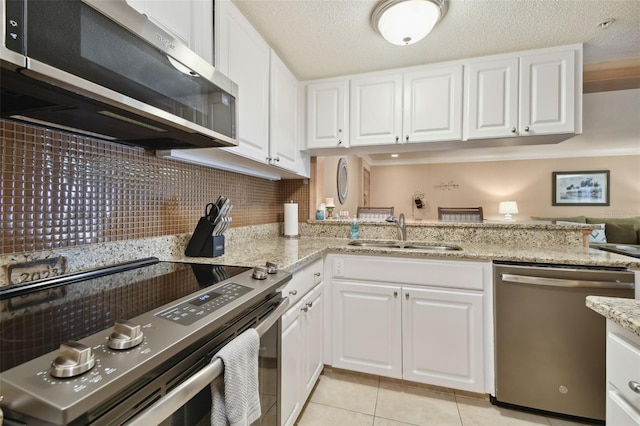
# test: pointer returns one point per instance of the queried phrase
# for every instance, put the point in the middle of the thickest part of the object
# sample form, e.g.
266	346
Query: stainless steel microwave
102	69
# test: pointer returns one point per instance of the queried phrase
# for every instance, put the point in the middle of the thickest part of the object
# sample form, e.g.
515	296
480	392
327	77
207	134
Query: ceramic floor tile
323	415
476	412
348	391
417	406
562	422
379	421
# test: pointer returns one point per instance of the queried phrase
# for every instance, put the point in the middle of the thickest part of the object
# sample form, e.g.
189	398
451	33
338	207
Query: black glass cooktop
34	319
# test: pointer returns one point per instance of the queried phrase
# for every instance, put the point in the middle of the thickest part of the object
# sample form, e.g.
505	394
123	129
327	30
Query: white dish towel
234	395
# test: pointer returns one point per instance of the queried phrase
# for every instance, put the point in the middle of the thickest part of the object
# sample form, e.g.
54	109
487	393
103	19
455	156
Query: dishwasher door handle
562	282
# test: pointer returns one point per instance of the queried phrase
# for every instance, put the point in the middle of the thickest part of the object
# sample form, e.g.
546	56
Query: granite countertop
291	254
624	312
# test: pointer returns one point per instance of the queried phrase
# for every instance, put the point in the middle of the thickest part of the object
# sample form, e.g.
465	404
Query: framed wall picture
588	188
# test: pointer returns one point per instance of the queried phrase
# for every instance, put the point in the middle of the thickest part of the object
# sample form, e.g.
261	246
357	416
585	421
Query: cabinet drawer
427	272
303	280
623	358
619	412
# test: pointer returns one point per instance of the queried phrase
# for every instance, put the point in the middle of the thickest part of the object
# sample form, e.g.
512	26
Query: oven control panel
191	311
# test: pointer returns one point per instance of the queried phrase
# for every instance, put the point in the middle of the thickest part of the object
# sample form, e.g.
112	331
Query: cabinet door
172	15
243	56
292	342
443	338
619	412
433	105
376	110
492	103
283	116
313	318
367	328
547	93
327	108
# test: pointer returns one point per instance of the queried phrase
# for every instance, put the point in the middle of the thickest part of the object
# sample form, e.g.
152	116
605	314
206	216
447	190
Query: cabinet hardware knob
317	274
634	386
339	141
395	294
513	130
406	295
310	304
293	292
397	139
269	159
305	308
407	138
339	130
526	128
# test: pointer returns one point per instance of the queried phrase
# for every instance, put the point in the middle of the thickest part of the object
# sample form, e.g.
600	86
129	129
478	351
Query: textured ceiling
325	38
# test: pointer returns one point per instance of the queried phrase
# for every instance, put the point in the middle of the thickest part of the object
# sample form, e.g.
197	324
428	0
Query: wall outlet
338	268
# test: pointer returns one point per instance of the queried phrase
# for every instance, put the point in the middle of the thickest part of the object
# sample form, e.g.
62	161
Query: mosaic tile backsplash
61	190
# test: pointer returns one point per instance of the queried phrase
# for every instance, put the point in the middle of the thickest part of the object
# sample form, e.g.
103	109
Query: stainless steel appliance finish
102	69
185	313
550	348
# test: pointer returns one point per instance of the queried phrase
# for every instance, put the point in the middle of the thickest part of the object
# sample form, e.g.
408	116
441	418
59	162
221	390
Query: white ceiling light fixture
403	22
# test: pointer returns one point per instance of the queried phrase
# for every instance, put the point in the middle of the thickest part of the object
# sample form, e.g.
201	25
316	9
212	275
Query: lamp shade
403	22
507	208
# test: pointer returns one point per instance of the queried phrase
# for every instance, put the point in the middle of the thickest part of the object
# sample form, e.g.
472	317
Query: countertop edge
624	312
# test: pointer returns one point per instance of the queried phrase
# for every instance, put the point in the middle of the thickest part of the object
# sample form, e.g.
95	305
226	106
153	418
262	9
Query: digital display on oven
204	298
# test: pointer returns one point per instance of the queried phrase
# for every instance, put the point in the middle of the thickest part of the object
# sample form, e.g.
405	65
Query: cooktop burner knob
125	335
260	272
73	359
272	268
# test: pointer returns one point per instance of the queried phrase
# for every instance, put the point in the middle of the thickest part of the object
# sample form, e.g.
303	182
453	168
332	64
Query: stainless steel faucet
400	223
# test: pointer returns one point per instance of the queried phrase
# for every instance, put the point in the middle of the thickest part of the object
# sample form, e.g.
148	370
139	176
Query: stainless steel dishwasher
550	348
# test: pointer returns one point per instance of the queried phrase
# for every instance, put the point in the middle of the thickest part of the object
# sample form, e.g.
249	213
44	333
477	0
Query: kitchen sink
382	244
401	245
443	247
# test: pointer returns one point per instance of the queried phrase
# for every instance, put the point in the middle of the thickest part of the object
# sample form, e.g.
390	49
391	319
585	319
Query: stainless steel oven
134	343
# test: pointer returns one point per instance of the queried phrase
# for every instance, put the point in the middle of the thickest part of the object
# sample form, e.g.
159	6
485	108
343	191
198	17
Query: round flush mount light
403	22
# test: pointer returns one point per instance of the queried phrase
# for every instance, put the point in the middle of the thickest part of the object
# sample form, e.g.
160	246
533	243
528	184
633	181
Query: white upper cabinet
433	105
376	110
547	93
492	99
327	109
189	20
244	57
526	95
283	118
423	105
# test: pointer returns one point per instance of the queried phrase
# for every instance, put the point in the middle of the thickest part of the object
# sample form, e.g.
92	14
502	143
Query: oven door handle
186	390
560	282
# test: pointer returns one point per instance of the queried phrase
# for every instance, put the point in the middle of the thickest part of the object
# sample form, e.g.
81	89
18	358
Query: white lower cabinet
430	328
302	341
442	338
367	328
623	376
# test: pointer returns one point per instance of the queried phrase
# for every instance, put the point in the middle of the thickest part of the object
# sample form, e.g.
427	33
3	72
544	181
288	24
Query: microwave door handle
186	390
559	282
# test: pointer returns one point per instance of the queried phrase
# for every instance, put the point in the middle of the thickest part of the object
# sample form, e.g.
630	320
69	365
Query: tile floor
347	399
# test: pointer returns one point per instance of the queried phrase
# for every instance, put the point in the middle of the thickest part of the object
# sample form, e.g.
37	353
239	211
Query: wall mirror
343	180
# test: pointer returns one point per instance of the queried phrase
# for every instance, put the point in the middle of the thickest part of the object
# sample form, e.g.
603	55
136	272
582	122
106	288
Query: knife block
203	243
